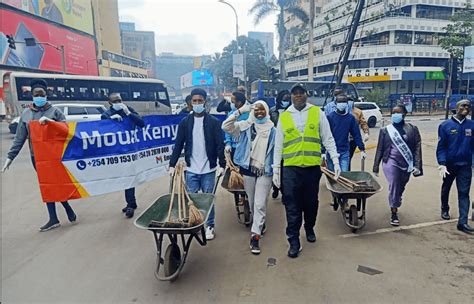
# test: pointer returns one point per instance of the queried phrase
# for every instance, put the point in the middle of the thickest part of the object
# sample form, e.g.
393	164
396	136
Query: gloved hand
323	157
366	137
7	164
116	117
171	171
415	171
43	120
443	171
228	148
245	108
276	176
219	171
337	170
363	155
125	108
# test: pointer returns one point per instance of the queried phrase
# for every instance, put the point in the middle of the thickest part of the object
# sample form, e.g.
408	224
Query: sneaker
394	220
129	212
254	246
294	250
445	215
264	229
124	209
310	236
275	192
72	218
210	233
49	225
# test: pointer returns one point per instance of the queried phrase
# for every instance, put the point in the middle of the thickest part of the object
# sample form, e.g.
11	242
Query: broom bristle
195	216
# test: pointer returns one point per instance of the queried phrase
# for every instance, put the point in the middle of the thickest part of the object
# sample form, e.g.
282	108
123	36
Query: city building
110	59
266	39
396	47
139	44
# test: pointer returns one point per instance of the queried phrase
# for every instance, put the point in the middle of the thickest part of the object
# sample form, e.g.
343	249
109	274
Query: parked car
371	112
73	112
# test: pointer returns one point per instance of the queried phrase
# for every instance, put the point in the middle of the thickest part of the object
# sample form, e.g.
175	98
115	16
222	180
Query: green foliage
376	95
458	33
221	65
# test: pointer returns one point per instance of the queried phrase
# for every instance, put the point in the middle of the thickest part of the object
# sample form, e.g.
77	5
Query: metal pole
63	58
448	87
311	42
236	32
352	33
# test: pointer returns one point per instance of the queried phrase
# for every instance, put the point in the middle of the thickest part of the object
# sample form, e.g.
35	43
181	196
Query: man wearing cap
118	111
454	155
301	130
201	137
44	112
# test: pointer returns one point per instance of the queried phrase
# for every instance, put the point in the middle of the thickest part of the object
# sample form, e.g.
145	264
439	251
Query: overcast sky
187	27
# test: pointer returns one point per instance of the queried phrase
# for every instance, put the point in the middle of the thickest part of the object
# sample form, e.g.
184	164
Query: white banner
238	66
468	66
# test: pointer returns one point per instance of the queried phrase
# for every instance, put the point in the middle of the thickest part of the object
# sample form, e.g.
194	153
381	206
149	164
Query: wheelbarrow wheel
247	212
172	260
353	217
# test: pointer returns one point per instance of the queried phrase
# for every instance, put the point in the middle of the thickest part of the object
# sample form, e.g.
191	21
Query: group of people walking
284	148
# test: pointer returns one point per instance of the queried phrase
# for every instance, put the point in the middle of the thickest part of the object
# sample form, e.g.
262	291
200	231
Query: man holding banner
118	111
203	141
42	111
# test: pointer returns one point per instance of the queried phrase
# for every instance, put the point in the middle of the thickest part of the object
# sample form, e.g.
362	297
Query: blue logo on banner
81	165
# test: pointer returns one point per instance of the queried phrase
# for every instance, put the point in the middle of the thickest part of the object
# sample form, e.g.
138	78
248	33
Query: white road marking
393	229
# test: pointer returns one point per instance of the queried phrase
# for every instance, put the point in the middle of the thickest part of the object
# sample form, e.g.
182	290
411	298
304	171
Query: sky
186	27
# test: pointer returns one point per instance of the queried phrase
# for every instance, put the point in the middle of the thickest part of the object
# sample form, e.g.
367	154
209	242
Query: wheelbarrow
174	258
242	206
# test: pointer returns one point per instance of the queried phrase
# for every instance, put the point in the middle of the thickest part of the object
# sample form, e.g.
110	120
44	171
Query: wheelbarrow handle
216	184
362	164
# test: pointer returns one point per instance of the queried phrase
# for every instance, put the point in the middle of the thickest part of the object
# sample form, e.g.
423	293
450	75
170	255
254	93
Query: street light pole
236	32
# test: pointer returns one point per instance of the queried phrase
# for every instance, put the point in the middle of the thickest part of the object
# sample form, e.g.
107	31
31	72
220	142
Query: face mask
116	106
397	117
198	108
261	120
39	101
285	103
232	106
341	107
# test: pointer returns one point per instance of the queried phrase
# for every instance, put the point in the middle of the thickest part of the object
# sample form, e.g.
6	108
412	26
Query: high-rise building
266	39
141	45
170	67
396	47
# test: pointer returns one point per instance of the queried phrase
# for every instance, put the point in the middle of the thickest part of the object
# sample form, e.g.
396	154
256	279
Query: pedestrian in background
44	112
118	111
238	100
283	102
301	130
202	139
454	154
254	156
399	148
189	107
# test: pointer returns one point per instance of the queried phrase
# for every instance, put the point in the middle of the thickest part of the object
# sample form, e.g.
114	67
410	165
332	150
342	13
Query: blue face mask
198	108
285	103
341	107
39	101
397	118
261	120
232	106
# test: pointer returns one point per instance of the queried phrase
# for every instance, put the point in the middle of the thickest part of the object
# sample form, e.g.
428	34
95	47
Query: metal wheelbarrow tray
355	216
173	260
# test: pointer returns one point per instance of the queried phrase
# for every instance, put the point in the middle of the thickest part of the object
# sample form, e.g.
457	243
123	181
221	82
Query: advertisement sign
76	160
202	78
73	13
373	74
468	66
187	80
238	66
79	50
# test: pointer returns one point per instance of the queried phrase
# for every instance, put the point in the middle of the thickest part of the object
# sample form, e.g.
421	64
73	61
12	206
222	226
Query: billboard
468	66
238	66
73	13
202	78
79	50
140	45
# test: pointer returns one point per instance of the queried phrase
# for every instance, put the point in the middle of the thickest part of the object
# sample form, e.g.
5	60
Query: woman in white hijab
254	156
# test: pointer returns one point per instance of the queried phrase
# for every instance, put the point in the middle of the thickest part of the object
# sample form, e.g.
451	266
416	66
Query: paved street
104	258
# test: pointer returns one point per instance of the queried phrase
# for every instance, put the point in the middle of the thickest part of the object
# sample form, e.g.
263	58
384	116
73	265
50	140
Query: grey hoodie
23	131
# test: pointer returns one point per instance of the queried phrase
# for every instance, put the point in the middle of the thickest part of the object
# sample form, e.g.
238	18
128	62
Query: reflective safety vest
301	150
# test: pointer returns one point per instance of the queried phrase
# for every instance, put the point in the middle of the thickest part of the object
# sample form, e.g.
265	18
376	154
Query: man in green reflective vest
301	131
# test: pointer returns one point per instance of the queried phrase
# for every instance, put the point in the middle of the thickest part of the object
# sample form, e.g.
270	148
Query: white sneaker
210	233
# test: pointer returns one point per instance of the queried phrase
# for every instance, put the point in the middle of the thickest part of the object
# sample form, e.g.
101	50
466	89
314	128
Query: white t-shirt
199	161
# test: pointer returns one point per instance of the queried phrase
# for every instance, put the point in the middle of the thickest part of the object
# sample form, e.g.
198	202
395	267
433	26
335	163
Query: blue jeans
130	198
344	161
463	177
205	183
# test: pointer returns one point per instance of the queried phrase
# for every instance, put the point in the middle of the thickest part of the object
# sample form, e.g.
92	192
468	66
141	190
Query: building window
326	68
359	64
390	62
434	62
403	37
433	12
426	38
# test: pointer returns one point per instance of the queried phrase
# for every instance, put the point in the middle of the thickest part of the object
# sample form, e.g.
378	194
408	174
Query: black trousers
130	198
352	148
463	176
300	198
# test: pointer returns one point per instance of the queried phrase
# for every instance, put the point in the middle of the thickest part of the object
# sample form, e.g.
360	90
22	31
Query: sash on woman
401	146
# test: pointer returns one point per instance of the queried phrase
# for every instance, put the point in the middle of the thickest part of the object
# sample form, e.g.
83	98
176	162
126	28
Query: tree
377	95
221	64
457	36
264	8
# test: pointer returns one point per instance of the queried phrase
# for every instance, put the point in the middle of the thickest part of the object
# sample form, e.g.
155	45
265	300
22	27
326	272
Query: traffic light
273	75
11	42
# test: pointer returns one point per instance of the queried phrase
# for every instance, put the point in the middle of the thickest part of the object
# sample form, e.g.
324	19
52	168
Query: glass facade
433	12
403	37
392	61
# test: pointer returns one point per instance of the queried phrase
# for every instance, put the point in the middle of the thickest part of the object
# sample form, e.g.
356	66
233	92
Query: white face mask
116	106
